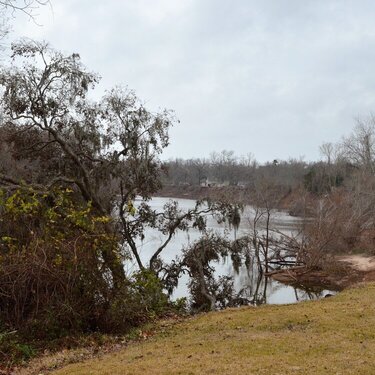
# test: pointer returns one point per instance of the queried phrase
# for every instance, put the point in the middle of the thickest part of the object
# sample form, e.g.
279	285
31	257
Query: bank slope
332	336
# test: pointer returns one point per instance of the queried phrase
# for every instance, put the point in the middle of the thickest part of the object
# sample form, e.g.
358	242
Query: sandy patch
359	262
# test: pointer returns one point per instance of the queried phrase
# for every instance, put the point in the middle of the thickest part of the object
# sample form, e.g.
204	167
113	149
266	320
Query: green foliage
50	218
180	305
143	299
148	290
53	280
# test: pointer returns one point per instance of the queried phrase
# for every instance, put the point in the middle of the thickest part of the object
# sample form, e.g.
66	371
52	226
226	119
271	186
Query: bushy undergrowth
53	279
12	349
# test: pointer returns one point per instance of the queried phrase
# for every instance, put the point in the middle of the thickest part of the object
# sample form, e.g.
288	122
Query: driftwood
286	270
286	263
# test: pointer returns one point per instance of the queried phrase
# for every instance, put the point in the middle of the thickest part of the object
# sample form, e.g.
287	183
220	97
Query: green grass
332	336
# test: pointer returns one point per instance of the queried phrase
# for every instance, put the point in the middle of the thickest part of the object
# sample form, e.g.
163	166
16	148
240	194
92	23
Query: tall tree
107	151
100	149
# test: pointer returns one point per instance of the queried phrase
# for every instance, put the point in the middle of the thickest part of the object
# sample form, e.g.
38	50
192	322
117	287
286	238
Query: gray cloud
275	78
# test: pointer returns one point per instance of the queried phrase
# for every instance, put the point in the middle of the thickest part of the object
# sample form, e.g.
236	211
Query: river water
265	290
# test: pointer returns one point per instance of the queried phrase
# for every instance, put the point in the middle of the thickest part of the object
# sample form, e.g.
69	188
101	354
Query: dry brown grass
332	336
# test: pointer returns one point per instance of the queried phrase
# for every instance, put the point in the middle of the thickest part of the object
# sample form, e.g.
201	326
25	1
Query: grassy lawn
332	336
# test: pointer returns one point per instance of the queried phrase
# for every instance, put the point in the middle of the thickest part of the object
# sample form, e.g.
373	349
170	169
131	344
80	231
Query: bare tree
326	150
9	9
359	147
27	7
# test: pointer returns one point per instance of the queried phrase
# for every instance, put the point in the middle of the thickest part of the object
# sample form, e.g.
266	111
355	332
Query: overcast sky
276	78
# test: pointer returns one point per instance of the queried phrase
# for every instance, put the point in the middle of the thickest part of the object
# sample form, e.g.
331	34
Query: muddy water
263	290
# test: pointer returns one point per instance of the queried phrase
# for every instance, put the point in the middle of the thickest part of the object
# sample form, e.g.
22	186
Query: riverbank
296	202
331	336
339	273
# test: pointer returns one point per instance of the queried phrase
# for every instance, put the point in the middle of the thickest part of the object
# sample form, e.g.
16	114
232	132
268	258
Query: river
265	290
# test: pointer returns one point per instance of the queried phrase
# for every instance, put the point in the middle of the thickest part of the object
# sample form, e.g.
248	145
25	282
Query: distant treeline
226	169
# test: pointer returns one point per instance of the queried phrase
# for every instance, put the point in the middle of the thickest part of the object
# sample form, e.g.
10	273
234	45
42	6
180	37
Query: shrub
53	280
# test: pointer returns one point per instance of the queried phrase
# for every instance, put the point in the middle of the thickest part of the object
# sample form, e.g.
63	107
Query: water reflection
249	282
257	289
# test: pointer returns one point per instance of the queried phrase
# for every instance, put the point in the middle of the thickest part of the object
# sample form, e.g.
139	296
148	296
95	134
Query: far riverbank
287	200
